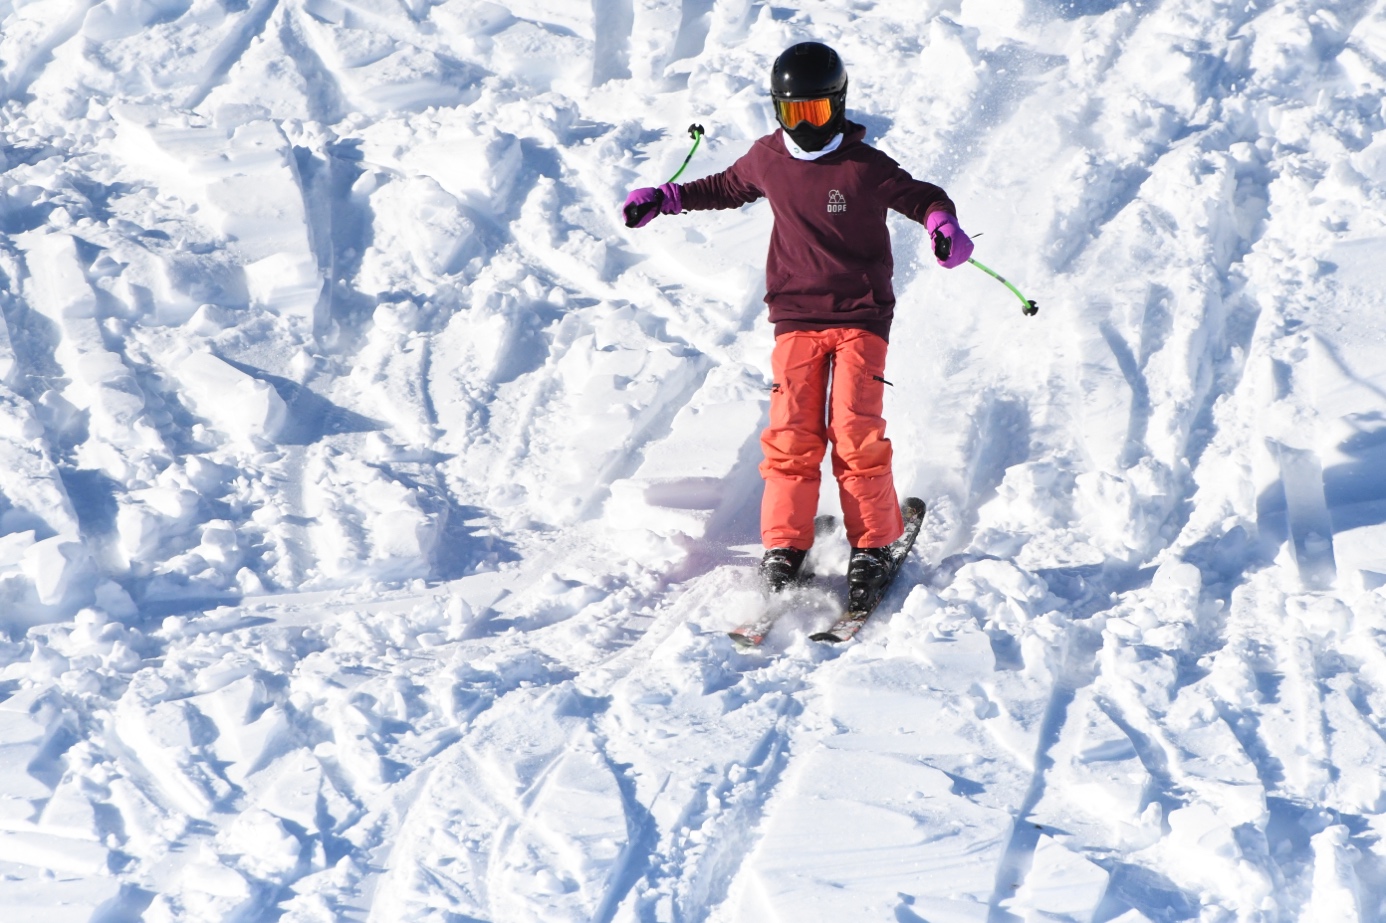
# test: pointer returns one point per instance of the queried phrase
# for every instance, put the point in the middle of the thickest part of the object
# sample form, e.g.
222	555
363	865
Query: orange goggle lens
816	112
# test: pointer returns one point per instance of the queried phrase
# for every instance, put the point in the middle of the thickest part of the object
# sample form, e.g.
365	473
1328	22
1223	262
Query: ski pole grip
943	246
636	213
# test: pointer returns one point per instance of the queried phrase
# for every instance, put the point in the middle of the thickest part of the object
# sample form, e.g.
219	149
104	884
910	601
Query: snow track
373	505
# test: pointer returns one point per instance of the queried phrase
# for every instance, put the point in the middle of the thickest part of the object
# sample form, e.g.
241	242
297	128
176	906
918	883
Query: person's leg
795	440
861	451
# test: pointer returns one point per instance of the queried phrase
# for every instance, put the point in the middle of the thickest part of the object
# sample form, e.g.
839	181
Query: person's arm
930	206
913	198
732	188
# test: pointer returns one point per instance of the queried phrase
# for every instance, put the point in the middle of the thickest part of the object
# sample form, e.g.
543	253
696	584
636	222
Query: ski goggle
817	112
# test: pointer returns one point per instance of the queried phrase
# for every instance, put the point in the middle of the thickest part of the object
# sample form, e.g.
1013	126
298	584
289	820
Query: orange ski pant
829	386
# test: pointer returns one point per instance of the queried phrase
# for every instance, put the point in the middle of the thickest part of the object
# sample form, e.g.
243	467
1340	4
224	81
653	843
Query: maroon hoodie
829	263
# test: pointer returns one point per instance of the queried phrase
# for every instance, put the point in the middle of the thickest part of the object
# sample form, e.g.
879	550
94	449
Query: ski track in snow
373	505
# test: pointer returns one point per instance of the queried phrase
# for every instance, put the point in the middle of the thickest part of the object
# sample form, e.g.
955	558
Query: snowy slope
373	504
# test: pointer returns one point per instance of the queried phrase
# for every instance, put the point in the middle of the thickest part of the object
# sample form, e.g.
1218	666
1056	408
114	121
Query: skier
828	284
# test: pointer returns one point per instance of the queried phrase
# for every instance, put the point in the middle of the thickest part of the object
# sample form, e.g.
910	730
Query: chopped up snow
374	505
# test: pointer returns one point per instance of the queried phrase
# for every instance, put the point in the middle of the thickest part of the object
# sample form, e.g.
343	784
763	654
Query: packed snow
374	505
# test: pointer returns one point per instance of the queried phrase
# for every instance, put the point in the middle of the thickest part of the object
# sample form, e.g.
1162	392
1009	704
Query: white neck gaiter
799	153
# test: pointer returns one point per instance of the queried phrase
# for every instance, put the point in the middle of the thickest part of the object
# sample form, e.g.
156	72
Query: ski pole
943	246
1028	307
634	213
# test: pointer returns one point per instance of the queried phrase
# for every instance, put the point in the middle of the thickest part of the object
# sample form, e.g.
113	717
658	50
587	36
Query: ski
752	634
859	610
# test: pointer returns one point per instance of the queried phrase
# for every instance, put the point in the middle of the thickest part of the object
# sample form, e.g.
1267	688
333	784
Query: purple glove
952	247
643	204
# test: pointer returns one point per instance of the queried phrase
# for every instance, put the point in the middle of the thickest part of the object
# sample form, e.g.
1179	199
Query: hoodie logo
837	202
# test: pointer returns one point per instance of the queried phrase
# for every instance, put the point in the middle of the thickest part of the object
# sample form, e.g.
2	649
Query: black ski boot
781	567
868	574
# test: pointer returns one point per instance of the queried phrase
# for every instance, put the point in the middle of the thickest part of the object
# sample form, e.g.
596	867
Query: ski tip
826	636
744	641
914	506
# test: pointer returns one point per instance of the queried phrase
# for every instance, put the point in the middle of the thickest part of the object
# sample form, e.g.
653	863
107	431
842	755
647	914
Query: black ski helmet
810	70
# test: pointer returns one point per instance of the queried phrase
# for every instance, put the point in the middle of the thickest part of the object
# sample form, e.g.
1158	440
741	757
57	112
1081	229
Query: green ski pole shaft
696	133
1029	309
635	213
943	246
